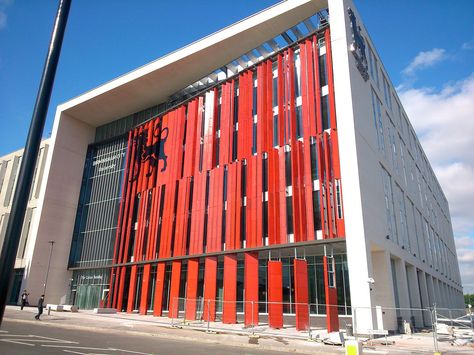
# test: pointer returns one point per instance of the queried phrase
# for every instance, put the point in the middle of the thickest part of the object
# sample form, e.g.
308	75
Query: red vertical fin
160	280
332	318
210	279
191	288
251	288
174	289
275	294
230	289
301	294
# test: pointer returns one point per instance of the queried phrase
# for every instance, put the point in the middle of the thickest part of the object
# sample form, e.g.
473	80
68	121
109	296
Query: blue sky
427	48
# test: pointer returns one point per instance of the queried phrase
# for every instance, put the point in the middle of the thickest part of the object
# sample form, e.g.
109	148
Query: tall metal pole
49	264
25	177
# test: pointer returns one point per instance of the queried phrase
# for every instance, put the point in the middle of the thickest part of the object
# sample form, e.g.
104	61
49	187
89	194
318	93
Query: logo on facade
357	46
152	153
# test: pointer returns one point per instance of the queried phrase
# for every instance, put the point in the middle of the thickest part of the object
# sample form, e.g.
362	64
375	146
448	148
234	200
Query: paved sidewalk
286	341
261	337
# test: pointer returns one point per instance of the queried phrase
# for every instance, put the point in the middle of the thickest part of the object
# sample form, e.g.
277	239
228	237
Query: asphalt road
20	338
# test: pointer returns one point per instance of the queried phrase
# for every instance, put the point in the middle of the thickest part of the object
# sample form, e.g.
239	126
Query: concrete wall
57	208
364	195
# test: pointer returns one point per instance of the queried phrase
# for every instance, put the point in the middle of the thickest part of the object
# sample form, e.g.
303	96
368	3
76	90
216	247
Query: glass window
325	112
376	106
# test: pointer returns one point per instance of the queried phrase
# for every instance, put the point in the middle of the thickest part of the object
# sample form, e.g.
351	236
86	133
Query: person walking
40	307
24	299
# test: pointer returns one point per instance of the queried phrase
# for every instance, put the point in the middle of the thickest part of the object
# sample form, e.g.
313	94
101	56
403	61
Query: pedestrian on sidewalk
24	299
40	307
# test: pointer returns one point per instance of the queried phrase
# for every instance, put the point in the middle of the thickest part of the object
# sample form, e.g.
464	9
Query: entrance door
88	296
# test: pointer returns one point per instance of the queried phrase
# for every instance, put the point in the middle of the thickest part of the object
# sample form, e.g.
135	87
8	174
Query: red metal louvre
191	143
282	230
258	211
132	289
174	289
299	210
232	205
229	314
301	294
251	288
308	190
273	198
332	318
275	294
329	186
167	221
281	111
145	289
308	89
191	288
317	85
245	119
322	187
210	278
160	279
198	214
215	209
225	151
182	220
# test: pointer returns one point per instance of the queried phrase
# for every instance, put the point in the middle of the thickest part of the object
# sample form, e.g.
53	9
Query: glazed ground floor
294	282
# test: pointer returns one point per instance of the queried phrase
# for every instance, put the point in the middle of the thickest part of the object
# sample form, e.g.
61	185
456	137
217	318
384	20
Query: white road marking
129	351
16	342
74	352
72	347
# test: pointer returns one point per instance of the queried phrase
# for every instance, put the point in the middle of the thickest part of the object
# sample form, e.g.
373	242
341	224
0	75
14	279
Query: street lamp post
49	264
30	154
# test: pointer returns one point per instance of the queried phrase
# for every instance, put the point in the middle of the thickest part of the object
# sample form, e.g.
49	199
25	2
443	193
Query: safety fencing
409	329
413	329
300	320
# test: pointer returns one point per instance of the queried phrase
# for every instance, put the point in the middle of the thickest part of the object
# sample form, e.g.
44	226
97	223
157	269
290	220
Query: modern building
267	172
31	250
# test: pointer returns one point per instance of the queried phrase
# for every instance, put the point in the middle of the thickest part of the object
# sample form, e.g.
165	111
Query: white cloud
464	242
3	19
468	45
425	60
444	122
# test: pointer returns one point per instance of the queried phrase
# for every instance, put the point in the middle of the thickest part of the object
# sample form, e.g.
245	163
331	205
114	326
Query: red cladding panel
210	277
308	190
317	85
182	217
174	289
132	289
332	318
191	135
301	294
191	288
198	213
281	90
251	288
231	207
282	236
229	314
275	294
145	289
158	299
225	124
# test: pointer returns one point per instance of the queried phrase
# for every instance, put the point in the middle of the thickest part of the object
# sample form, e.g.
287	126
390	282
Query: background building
29	255
276	147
